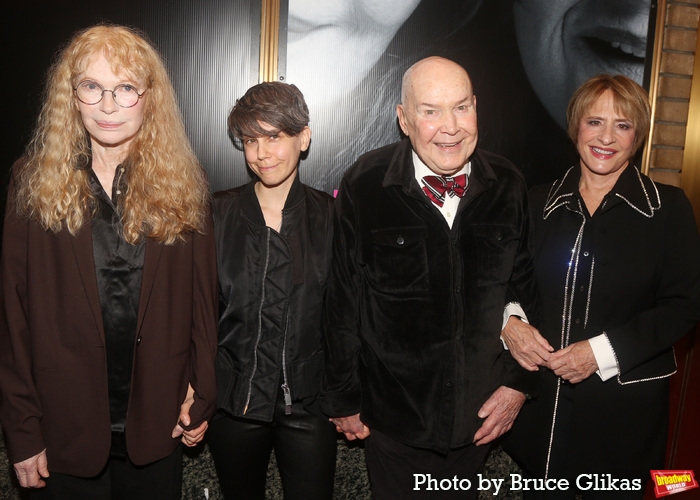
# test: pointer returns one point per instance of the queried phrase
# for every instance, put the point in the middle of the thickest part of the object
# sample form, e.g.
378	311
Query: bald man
430	255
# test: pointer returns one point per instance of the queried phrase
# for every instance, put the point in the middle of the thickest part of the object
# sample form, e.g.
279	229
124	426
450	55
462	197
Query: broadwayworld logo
668	482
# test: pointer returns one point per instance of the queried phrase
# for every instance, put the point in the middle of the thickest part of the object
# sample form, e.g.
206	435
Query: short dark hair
629	98
278	104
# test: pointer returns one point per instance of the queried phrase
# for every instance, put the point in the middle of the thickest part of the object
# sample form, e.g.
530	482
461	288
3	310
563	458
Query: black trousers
305	448
119	480
399	471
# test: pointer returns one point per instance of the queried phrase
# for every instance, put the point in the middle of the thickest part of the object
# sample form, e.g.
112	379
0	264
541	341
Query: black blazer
637	271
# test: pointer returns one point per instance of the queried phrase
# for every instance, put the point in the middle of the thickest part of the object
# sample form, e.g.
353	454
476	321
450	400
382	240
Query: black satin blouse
119	267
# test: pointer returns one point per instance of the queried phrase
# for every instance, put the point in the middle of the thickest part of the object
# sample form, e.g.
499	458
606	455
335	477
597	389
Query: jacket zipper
285	386
259	336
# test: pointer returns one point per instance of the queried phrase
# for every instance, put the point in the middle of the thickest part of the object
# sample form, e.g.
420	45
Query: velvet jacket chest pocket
398	260
496	246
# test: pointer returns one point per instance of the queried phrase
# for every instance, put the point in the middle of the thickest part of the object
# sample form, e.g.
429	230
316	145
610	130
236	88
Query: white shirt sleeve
604	356
512	309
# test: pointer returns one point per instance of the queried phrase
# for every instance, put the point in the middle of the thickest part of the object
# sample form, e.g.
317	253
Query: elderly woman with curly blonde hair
108	295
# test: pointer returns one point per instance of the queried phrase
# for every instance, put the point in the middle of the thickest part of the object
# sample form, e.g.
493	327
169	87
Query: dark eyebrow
259	136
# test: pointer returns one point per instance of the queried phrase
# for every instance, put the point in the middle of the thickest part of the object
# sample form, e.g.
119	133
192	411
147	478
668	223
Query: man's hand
351	426
192	437
574	363
528	347
499	411
31	471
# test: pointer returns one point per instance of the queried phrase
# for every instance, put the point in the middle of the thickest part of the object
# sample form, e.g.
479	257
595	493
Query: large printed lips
622	47
300	28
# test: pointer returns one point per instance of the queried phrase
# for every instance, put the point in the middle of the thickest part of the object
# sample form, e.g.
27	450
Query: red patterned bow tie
435	186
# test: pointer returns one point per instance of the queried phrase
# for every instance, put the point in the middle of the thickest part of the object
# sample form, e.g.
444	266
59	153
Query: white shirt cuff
604	356
512	309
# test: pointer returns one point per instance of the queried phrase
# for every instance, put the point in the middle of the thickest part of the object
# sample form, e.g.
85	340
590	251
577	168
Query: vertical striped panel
211	49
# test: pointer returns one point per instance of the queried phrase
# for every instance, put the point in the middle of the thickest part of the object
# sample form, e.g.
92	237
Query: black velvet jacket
271	288
414	309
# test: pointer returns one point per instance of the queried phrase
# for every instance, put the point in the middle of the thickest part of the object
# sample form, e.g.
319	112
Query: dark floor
350	484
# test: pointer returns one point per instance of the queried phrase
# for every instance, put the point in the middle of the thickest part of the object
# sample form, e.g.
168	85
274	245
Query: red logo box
668	482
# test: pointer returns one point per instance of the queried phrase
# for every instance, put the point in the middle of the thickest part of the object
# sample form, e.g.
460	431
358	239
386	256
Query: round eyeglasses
125	95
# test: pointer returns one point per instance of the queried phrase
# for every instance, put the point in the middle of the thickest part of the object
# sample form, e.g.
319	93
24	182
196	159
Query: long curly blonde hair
167	193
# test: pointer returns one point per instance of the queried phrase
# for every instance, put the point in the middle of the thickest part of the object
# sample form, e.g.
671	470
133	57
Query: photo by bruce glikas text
584	482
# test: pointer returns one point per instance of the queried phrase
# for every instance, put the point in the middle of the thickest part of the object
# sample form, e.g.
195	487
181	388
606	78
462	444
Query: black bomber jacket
271	289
